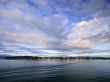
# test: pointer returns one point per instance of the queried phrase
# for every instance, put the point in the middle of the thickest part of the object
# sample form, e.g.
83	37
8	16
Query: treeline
54	58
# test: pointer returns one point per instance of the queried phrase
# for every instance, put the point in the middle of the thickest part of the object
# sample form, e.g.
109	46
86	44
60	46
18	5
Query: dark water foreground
55	71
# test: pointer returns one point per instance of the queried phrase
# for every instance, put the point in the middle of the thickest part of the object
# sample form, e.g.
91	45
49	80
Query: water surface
55	71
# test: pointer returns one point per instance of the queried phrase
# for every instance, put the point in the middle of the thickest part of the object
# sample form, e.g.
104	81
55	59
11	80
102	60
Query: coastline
55	58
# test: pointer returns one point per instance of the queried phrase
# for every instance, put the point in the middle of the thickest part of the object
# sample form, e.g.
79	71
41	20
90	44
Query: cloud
30	28
28	21
92	6
86	34
90	28
77	43
54	26
37	38
104	12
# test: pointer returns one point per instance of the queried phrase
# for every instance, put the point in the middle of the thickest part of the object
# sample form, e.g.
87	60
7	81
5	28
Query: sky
55	27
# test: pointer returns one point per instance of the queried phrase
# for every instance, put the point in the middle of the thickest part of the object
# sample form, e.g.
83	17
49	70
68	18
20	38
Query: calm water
54	71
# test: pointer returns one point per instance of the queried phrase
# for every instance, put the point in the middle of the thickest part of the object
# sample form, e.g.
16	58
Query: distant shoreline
55	58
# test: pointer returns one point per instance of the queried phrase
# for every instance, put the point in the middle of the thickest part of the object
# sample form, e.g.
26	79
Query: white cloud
86	32
78	43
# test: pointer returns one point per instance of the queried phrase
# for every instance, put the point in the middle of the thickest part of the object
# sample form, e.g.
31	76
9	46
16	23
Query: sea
54	71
